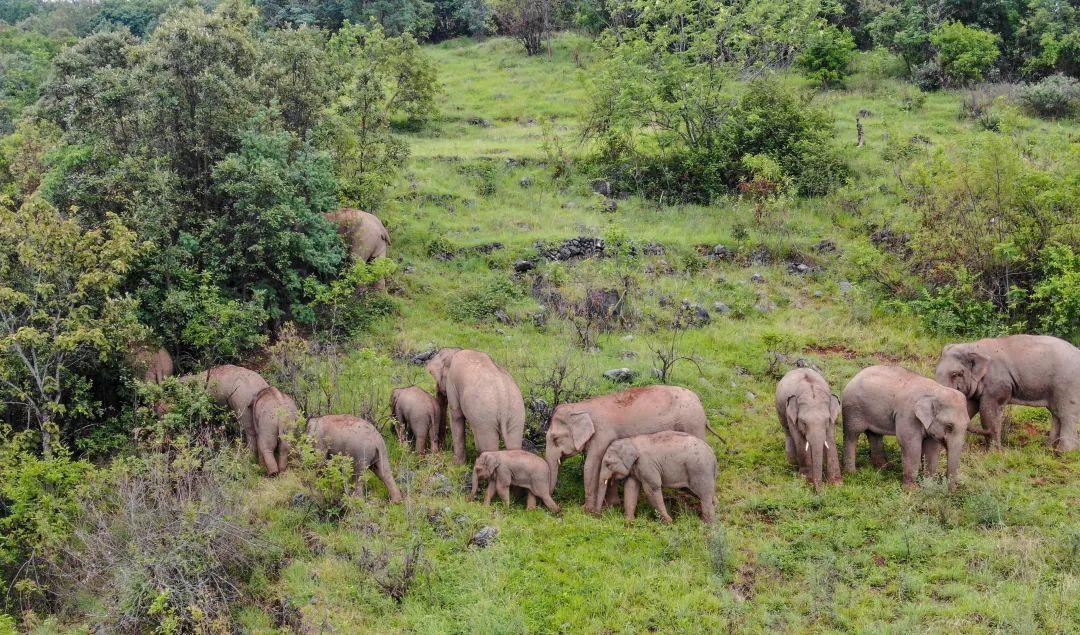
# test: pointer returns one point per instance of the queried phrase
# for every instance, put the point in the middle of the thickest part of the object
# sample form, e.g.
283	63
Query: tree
964	53
529	21
61	306
827	58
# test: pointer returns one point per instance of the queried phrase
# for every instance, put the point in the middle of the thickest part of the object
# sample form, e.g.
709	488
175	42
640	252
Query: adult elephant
151	364
471	387
234	387
1028	370
363	232
592	425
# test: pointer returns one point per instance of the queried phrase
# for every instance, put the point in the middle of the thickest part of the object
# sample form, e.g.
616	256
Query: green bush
827	58
1055	96
1055	299
484	304
964	53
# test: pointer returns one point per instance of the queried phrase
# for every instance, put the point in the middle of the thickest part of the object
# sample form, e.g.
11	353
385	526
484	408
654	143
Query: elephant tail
717	434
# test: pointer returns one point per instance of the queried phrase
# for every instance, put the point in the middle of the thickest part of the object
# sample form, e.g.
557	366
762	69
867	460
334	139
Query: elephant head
618	460
485	467
567	435
962	368
438	365
944	417
814	419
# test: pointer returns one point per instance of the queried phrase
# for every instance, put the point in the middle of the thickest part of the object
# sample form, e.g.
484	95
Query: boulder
609	205
521	266
601	186
757	278
485	537
721	308
621	375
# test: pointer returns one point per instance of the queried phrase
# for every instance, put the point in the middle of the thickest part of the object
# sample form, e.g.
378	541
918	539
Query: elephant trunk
601	488
553	457
475	485
817	440
954	447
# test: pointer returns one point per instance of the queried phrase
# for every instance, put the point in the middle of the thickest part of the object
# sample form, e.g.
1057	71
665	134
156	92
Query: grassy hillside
1001	555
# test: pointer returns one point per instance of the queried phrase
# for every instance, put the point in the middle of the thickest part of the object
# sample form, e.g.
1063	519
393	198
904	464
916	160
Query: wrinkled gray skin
471	387
1029	370
808	411
274	414
663	459
418	412
151	365
921	413
518	468
365	234
235	387
590	426
355	437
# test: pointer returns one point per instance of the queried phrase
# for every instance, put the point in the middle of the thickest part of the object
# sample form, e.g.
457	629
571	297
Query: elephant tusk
807	448
826	445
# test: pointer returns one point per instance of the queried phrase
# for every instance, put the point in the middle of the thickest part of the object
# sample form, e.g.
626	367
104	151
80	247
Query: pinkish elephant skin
417	412
357	438
275	415
518	468
808	412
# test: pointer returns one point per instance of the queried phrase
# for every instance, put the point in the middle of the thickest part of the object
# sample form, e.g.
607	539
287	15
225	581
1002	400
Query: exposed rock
891	241
568	205
757	278
299	500
580	247
760	256
609	205
485	537
628	354
621	375
864	114
664	300
653	249
721	308
479	122
750	396
845	286
819	294
722	252
601	186
696	313
521	266
741	370
409	269
799	267
422	358
525	182
825	246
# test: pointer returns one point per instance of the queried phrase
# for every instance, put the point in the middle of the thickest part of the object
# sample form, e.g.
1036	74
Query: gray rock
525	182
757	278
825	246
609	205
696	313
299	500
422	358
569	205
722	252
819	294
621	375
521	266
741	370
485	537
657	373
721	308
653	249
750	396
410	269
628	354
845	286
601	186
479	122
798	267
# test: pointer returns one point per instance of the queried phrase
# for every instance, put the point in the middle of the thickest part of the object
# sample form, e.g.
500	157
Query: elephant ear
978	363
581	428
834	407
924	412
490	460
627	453
792	410
437	366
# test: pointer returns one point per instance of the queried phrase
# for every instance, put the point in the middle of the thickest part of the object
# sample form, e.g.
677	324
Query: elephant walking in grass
1028	370
591	426
808	411
416	411
274	415
357	438
235	387
518	468
471	387
662	459
921	413
365	234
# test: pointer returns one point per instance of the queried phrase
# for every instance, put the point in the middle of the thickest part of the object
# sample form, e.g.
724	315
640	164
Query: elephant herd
653	437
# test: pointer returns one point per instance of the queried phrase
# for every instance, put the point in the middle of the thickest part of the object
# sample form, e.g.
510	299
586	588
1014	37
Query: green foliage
527	21
1055	299
24	62
484	304
220	329
1054	96
955	310
964	53
827	58
346	306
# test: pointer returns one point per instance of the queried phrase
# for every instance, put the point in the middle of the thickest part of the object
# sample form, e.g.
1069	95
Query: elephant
921	413
355	437
808	411
592	425
235	387
363	232
1029	370
274	414
471	387
151	365
418	412
658	460
518	468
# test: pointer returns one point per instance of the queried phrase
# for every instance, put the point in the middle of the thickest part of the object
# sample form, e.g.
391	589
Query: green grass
1001	555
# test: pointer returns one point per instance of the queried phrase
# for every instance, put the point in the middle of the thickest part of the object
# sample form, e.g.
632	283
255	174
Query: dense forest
597	193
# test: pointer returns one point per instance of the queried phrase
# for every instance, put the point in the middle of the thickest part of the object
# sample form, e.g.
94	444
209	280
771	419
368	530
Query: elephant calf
274	415
920	412
661	459
418	412
355	437
503	468
808	411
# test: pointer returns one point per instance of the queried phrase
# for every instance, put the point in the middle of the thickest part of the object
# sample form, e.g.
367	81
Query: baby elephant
418	412
661	459
922	413
355	437
503	468
808	411
273	415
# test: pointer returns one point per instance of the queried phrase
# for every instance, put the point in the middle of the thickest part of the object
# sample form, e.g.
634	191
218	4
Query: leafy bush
964	53
1055	299
1055	96
216	328
484	304
954	310
827	58
345	306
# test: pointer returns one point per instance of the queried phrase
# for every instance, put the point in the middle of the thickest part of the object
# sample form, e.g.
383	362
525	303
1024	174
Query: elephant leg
530	501
832	464
910	458
877	450
802	460
382	470
655	496
708	506
1065	420
421	443
282	453
630	497
513	434
489	492
550	503
504	493
931	451
851	444
991	415
267	458
592	478
457	431
611	497
434	435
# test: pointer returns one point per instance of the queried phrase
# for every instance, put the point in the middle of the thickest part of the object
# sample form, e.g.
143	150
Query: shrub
964	53
484	304
827	58
1055	299
1054	96
952	310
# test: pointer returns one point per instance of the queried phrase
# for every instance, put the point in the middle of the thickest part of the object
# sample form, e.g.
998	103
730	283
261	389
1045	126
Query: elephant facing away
591	426
921	413
365	234
418	412
505	468
1028	370
662	459
808	412
235	387
275	415
356	438
471	387
151	365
